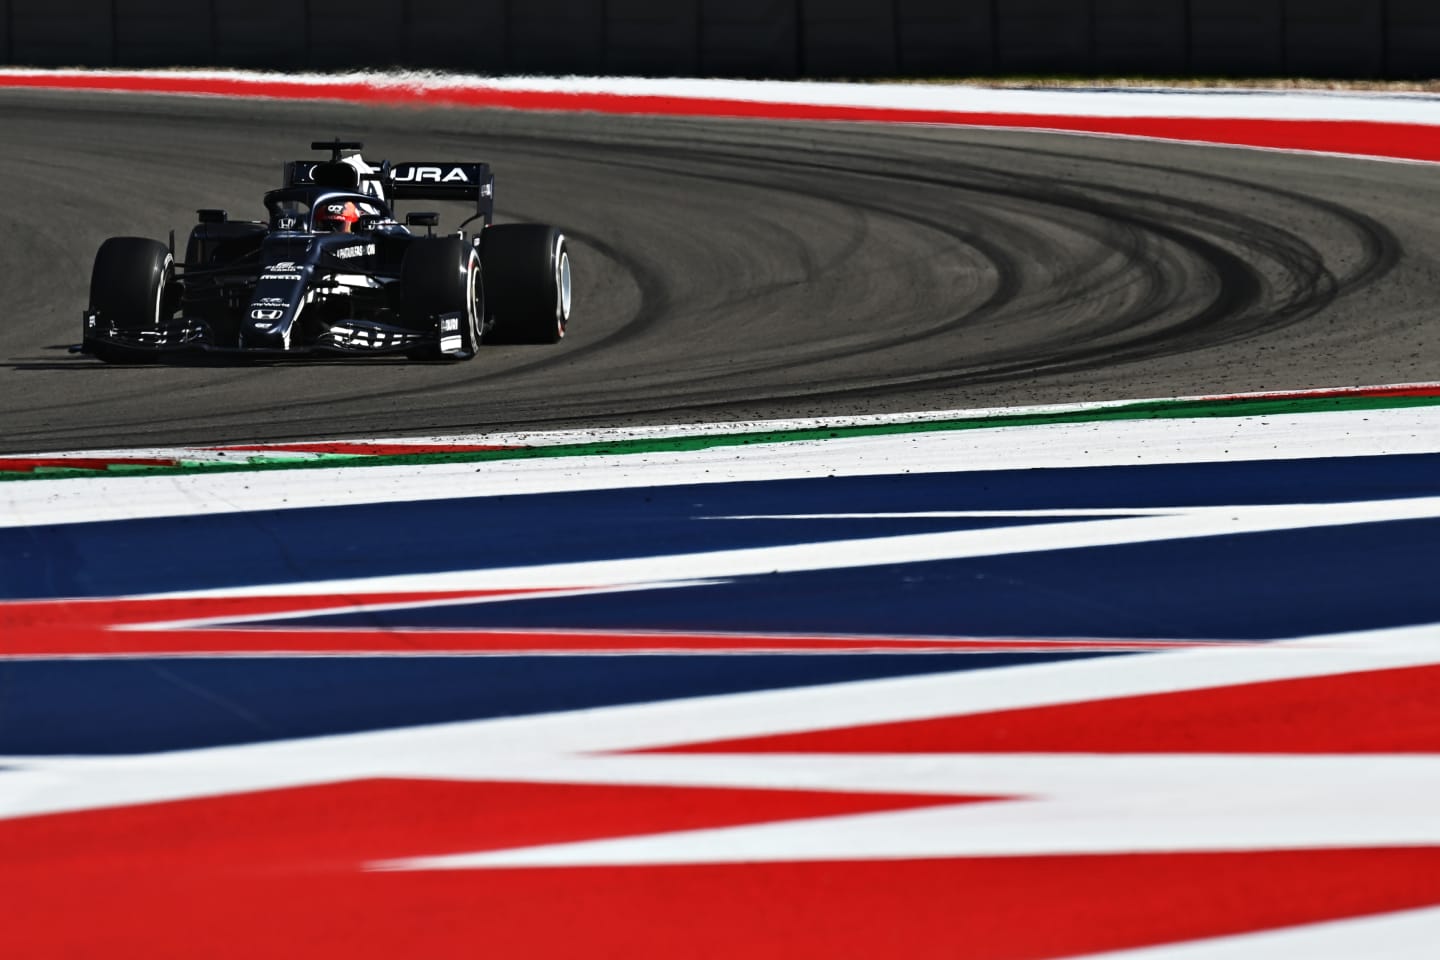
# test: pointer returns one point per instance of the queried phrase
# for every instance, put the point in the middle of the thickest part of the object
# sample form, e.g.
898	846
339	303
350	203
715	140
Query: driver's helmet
336	216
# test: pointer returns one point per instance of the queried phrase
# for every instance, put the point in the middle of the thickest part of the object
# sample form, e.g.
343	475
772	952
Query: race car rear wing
341	176
445	181
412	180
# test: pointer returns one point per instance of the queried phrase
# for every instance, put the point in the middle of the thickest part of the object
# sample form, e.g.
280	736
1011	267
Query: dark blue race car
333	271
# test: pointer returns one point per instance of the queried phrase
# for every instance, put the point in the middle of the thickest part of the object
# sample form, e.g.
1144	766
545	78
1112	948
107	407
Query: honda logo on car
266	314
430	175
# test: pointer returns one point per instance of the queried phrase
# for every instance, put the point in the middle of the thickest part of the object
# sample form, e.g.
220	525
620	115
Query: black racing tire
442	275
528	279
131	288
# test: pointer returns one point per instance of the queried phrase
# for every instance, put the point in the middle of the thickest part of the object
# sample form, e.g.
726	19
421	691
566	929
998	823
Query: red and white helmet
336	216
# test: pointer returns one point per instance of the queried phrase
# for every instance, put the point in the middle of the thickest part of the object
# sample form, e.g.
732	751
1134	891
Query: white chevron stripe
562	747
1407	935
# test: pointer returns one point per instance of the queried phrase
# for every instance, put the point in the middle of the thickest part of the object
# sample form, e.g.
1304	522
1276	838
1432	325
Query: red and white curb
1388	126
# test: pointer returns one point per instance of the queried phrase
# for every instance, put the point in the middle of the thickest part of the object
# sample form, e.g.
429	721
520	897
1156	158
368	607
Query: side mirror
424	219
213	216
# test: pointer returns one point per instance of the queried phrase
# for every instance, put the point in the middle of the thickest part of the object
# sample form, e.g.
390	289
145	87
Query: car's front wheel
129	292
441	277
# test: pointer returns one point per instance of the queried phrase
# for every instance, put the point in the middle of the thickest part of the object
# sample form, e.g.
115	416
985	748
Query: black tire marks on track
737	270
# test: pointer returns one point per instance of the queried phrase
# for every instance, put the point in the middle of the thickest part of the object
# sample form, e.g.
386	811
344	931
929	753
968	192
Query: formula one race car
332	271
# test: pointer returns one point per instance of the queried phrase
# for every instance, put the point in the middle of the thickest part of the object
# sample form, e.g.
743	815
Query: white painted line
1413	430
354	607
1067	804
545	438
1406	935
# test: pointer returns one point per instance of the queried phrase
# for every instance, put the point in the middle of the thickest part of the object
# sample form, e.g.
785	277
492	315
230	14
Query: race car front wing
354	337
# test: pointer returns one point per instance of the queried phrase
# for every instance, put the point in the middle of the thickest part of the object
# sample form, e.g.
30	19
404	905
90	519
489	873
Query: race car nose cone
260	334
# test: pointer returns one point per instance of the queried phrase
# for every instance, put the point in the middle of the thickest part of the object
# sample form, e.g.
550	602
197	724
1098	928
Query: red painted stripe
354	823
365	449
1424	390
280	873
1381	711
86	628
17	615
1398	140
31	464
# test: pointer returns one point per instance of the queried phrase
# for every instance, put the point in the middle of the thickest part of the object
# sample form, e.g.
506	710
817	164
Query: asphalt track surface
735	269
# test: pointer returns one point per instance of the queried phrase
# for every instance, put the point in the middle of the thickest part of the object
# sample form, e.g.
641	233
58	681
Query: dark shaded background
740	38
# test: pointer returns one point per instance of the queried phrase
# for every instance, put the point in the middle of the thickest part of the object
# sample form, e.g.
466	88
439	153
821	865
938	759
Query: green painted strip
1153	410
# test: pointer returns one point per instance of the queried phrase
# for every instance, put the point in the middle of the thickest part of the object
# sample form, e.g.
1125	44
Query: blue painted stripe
1251	587
138	706
191	553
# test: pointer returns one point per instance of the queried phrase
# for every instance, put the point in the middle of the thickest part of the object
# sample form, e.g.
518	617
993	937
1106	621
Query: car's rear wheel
528	279
441	276
130	290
